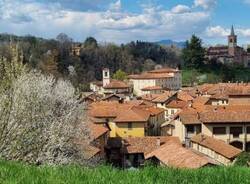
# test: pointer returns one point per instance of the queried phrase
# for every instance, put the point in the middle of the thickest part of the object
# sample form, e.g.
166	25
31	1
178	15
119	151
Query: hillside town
151	117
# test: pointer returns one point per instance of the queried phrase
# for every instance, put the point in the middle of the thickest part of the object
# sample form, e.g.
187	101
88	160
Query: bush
243	159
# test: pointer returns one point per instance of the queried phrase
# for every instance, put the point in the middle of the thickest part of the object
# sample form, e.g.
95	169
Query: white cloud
217	31
153	23
181	9
220	32
206	4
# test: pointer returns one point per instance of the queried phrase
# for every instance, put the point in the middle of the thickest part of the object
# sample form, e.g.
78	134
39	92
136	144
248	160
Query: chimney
158	142
105	77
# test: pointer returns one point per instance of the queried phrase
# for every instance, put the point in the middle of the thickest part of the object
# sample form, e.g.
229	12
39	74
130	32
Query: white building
165	79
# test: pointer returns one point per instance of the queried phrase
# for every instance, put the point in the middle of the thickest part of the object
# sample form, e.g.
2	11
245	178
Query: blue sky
121	21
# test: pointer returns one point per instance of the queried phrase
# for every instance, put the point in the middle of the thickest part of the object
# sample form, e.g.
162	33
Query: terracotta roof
189	119
120	96
116	84
200	100
87	150
225	116
153	110
217	96
174	155
98	83
150	97
228	88
216	145
90	151
184	96
164	97
146	145
152	88
98	130
132	115
177	104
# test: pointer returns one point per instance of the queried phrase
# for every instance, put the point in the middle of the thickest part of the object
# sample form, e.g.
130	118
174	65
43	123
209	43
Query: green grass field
16	173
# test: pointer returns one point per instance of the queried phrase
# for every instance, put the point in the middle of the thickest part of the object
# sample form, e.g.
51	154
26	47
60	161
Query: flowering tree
41	119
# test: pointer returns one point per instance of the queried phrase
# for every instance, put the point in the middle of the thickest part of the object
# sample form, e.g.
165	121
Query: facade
128	119
214	148
231	53
221	111
152	82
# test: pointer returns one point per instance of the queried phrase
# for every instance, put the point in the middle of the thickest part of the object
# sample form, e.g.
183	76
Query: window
248	130
106	74
219	130
130	127
236	131
172	111
190	129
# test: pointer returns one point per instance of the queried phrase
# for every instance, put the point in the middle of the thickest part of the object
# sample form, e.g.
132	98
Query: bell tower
105	76
232	42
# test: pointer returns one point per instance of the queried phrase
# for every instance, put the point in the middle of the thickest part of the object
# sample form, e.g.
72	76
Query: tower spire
232	31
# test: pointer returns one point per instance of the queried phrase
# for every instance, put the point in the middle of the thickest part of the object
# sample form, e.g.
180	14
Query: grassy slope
11	173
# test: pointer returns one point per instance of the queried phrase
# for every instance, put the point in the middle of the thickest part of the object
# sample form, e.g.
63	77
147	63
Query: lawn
11	173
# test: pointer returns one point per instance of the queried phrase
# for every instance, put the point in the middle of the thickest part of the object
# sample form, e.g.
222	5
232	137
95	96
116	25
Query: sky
122	21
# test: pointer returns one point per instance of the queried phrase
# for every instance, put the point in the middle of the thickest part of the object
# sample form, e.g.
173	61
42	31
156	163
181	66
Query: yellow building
129	119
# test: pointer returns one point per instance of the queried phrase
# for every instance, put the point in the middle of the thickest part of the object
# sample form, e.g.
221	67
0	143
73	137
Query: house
184	125
176	156
230	124
154	81
115	97
99	136
109	86
128	119
89	98
159	100
131	151
215	148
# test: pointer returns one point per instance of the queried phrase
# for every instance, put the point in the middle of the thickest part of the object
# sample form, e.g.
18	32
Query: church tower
232	42
105	76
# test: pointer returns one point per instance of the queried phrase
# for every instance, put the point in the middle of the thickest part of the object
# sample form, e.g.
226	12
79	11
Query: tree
194	53
63	38
120	75
90	42
41	119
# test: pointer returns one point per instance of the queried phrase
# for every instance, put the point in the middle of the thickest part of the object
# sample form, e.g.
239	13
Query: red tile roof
131	111
116	84
164	97
146	145
226	116
216	145
98	130
184	96
132	115
177	104
174	155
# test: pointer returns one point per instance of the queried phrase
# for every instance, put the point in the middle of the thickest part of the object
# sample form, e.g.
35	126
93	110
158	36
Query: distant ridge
171	42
